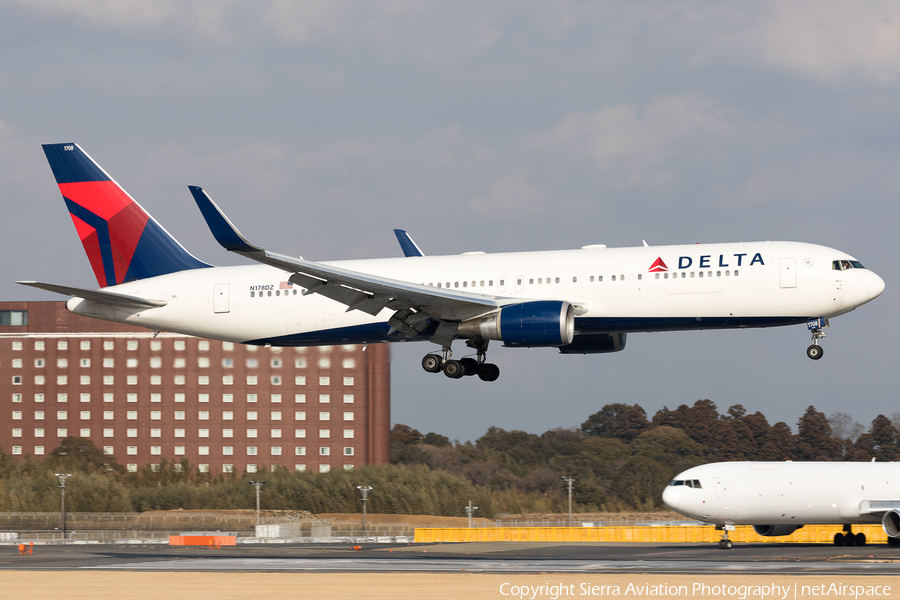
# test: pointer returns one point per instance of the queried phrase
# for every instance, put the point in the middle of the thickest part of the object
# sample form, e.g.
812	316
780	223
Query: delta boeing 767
582	301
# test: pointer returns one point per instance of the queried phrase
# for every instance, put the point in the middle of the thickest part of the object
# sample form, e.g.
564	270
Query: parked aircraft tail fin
122	241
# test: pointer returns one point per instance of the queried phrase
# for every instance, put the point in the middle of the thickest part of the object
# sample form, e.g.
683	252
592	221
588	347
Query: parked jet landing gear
848	538
468	366
725	543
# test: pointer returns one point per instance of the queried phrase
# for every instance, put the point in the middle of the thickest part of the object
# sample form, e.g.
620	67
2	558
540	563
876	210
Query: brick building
221	406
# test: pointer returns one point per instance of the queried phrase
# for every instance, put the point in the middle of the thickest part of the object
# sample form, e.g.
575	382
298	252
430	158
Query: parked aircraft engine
542	323
891	523
596	344
775	530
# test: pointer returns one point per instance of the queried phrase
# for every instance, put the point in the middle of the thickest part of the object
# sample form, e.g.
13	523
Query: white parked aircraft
581	301
778	498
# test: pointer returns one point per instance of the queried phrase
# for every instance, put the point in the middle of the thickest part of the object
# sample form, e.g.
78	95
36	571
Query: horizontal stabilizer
96	295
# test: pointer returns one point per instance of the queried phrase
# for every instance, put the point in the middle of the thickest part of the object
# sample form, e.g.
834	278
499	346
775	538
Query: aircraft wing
358	291
97	295
409	247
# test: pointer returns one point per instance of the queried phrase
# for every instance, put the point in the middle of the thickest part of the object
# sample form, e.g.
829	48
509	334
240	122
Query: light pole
257	485
570	481
62	509
470	510
364	489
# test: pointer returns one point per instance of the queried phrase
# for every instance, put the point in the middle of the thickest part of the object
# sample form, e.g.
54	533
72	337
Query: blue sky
320	126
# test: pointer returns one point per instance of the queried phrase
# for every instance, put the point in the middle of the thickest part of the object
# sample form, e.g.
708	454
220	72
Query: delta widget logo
658	266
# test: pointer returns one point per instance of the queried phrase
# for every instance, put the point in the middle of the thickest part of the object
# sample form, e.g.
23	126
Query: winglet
407	244
221	227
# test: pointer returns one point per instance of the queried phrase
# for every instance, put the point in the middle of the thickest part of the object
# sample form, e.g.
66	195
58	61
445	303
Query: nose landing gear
815	351
725	543
468	366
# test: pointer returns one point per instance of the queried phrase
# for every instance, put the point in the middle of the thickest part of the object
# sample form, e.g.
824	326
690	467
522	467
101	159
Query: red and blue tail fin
122	241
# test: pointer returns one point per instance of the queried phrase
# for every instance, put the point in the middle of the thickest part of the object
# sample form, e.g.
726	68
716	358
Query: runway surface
495	557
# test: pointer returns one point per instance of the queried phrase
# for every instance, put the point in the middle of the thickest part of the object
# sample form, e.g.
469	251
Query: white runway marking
501	566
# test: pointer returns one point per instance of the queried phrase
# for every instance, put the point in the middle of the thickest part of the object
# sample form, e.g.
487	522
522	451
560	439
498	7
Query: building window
204	415
62	432
155	450
38	397
227	433
276	379
39	450
107	415
227	380
299	380
17	380
348	381
62	415
203	380
131	467
107	433
300	398
349	363
38	345
155	362
179	433
109	345
17	397
252	468
179	363
276	415
85	362
275	398
348	416
131	433
17	449
155	433
348	450
203	346
299	433
251	450
179	450
300	451
17	432
131	380
85	397
276	451
203	451
348	434
275	433
38	415
324	380
155	380
179	344
251	415
85	380
179	397
324	433
131	415
109	380
251	397
251	379
324	416
179	380
155	415
62	380
300	415
14	318
228	415
17	363
348	398
203	433
300	363
251	433
179	415
38	379
128	397
85	415
324	398
85	433
62	345
202	397
39	432
228	468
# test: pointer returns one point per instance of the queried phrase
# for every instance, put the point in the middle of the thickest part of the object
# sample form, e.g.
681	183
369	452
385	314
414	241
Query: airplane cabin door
787	273
220	298
720	489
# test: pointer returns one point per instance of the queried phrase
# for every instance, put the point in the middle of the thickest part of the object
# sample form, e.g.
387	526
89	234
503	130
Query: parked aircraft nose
874	285
673	497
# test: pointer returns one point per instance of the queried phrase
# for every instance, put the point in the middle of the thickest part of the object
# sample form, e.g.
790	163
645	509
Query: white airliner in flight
582	301
778	498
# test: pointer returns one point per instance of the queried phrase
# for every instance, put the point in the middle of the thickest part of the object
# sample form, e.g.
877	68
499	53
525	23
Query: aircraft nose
670	498
874	285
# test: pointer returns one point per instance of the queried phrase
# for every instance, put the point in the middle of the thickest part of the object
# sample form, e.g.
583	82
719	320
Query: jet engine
542	323
775	530
596	344
891	523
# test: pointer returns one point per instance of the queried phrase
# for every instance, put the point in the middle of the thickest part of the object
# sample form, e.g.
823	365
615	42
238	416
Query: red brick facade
219	405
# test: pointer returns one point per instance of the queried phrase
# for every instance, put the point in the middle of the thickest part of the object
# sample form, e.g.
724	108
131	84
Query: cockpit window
844	265
691	483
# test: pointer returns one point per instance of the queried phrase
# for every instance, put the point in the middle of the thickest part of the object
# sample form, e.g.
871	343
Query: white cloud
630	145
828	40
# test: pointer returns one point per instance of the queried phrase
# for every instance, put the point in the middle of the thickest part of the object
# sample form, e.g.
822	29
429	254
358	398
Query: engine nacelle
891	523
775	530
596	344
543	323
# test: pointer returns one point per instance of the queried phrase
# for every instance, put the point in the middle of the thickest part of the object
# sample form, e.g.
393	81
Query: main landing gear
468	366
815	351
848	538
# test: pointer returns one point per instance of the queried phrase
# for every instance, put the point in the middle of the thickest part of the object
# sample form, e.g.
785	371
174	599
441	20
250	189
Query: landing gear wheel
725	544
893	541
431	363
815	352
470	366
860	539
453	369
839	539
488	372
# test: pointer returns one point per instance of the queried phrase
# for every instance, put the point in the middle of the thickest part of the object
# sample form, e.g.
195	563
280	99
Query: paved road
499	557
